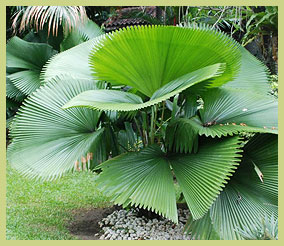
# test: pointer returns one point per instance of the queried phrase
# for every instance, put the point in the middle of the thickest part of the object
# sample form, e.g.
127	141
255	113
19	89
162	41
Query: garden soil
85	223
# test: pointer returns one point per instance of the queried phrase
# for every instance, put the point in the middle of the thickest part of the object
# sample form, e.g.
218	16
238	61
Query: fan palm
53	16
251	193
25	61
27	57
184	95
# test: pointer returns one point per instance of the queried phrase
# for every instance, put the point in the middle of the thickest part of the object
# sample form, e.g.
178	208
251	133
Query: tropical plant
164	105
24	62
263	22
23	71
267	231
251	193
84	32
53	16
256	28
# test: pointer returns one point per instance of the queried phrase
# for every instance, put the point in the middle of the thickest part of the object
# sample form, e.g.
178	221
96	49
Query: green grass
42	210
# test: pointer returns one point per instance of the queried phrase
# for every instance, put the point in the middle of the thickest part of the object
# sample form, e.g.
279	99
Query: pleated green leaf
246	198
26	55
238	207
145	179
29	58
148	57
262	151
84	32
125	101
141	178
106	100
201	229
12	91
203	175
46	140
72	62
225	112
182	134
26	81
223	106
253	75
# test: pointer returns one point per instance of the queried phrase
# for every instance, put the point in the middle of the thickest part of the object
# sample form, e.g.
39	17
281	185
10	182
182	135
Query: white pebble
124	225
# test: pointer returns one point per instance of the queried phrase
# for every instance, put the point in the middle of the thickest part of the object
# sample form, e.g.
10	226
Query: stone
125	225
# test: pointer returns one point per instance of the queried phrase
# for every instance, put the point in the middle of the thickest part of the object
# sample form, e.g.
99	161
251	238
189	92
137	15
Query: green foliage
59	138
144	179
27	60
267	231
156	55
247	196
274	85
84	32
265	22
243	22
181	87
125	101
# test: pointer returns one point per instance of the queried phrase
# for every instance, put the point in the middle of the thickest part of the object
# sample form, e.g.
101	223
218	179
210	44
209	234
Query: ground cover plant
153	107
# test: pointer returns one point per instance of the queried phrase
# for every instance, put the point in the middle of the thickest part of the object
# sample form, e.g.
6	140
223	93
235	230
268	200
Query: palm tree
52	16
168	104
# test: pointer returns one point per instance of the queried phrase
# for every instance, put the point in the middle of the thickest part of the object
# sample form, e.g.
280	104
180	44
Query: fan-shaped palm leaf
73	62
202	176
125	101
225	112
47	141
13	92
230	106
141	178
144	179
148	57
26	81
246	198
253	75
53	16
28	59
202	229
262	157
84	32
26	55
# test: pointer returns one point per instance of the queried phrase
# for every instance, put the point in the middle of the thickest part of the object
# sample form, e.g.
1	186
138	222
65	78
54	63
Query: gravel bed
127	225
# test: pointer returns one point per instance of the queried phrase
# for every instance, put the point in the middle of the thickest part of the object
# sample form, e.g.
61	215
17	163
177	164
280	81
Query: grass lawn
42	210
